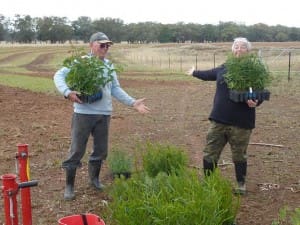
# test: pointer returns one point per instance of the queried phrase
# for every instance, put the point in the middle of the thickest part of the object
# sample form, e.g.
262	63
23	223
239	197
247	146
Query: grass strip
35	84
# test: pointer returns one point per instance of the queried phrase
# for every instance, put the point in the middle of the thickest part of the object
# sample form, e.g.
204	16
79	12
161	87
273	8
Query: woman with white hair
231	122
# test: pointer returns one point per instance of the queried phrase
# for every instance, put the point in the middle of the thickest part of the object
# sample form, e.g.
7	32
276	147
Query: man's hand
140	107
73	97
190	71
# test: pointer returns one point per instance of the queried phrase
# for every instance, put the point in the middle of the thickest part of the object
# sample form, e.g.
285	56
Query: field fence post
289	70
214	59
180	63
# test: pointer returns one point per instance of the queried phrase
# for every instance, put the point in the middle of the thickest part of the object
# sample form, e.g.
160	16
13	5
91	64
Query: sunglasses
104	45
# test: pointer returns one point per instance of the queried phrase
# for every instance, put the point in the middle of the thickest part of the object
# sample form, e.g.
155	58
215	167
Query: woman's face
240	48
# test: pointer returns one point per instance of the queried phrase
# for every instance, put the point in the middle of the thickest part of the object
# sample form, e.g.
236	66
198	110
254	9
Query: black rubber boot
209	167
94	172
70	180
240	173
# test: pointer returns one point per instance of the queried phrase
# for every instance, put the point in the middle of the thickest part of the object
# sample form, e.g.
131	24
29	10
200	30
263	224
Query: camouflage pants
219	135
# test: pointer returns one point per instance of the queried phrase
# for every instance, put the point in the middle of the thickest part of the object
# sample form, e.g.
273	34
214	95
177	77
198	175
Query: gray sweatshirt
100	107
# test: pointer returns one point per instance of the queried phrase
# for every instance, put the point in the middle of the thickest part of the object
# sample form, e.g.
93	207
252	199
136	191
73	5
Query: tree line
26	29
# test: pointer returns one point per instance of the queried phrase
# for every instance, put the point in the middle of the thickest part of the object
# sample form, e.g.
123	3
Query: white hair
243	40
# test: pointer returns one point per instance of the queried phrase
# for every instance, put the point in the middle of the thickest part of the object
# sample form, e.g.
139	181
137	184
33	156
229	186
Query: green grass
163	158
287	216
159	77
281	86
140	62
172	198
119	162
35	84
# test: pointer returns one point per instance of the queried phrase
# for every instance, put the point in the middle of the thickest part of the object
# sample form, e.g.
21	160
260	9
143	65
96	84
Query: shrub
88	74
171	193
119	162
173	199
246	71
288	217
163	158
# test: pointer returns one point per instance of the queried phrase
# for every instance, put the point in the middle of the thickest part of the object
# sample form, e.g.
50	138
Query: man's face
240	48
99	49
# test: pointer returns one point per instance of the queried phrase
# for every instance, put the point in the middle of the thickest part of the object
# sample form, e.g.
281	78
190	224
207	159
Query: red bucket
81	219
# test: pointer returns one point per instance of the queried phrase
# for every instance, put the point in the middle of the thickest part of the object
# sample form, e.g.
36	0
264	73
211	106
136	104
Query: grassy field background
142	62
33	112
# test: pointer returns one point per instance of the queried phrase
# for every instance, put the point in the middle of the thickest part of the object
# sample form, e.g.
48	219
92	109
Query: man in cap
92	119
100	37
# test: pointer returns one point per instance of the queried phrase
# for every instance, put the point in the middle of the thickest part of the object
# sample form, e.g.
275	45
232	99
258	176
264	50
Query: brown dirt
179	116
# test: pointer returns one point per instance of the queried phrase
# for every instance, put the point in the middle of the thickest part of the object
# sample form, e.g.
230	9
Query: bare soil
179	117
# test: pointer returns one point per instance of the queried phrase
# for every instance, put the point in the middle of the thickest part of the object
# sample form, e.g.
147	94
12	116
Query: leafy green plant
246	71
288	218
295	217
88	74
171	193
119	162
173	199
163	158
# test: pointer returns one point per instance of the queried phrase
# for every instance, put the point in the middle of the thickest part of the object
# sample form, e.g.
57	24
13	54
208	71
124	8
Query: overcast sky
162	11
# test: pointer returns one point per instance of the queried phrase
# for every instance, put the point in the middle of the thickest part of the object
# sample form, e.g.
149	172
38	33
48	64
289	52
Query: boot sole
97	188
239	192
69	198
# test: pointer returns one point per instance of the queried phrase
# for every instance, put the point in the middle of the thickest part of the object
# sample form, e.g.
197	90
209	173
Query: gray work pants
82	127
